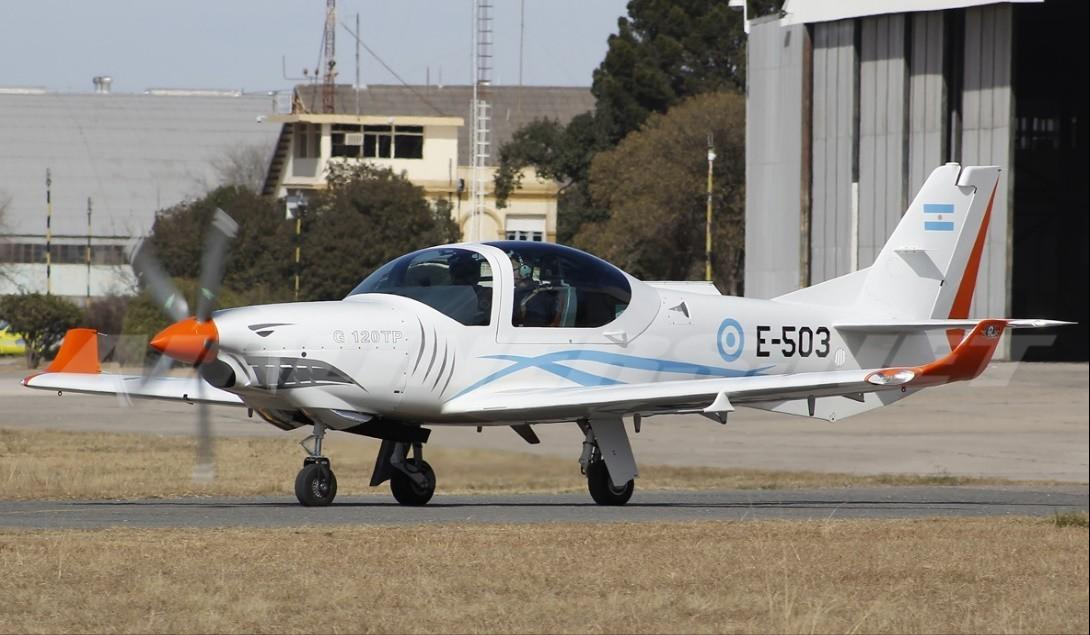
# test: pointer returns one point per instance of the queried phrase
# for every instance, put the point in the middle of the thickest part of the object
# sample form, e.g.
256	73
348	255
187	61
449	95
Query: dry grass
44	464
948	576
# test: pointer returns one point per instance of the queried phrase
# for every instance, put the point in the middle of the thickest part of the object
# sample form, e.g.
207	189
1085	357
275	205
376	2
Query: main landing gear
607	459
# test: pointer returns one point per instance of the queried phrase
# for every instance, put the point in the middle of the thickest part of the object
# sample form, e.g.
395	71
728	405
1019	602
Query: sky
240	44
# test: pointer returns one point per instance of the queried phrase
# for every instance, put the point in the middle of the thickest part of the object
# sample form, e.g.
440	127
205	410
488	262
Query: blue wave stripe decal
549	363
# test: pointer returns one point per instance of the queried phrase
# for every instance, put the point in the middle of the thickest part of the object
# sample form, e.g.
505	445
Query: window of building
308	139
409	142
557	286
346	140
455	282
518	234
62	254
530	228
393	142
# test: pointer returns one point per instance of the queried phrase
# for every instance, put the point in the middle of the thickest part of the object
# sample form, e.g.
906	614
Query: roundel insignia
730	341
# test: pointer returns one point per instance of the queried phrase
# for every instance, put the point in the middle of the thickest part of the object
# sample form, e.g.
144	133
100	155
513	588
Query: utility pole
708	224
295	206
48	232
87	254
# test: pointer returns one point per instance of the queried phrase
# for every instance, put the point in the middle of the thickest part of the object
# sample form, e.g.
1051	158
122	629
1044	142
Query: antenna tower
482	110
329	54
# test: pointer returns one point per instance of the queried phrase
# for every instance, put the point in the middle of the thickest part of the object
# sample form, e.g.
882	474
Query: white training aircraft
520	333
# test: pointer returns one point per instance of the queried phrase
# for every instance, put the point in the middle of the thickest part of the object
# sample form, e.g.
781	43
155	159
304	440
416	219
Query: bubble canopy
553	286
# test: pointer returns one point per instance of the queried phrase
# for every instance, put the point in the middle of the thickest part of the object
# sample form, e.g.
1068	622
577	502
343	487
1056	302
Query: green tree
655	183
259	267
664	51
366	217
42	320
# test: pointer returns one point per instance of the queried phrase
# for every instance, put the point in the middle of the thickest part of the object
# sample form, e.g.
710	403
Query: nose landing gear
315	485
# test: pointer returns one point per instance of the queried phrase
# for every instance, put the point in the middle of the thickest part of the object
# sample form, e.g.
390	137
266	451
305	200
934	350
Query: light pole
708	222
295	206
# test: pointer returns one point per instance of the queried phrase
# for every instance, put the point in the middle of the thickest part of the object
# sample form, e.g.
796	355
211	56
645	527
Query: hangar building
130	154
852	104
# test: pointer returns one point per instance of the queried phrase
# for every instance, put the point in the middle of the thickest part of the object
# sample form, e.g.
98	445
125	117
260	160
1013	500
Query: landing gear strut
593	465
315	485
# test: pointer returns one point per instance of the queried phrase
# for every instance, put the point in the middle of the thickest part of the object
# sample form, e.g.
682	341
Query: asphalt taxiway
654	506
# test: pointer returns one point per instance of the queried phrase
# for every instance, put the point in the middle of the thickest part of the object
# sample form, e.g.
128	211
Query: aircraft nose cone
187	341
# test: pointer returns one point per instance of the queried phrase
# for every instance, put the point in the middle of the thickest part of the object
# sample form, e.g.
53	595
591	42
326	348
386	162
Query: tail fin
928	268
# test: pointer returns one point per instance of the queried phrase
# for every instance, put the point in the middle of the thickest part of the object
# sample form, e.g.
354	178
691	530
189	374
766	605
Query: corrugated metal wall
986	140
833	138
899	122
773	158
927	99
882	113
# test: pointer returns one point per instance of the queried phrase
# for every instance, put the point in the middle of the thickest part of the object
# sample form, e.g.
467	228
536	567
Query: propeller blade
205	468
154	278
220	233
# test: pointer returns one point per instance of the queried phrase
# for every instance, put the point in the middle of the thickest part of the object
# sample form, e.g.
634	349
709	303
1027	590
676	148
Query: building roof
512	106
810	11
133	154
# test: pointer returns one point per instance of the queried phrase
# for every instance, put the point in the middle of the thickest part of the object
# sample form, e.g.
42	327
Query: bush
42	320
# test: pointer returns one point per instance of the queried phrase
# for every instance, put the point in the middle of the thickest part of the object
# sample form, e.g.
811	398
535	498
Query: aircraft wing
717	396
187	389
76	369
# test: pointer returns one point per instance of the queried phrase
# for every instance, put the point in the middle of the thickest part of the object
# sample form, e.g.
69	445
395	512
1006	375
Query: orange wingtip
78	353
968	359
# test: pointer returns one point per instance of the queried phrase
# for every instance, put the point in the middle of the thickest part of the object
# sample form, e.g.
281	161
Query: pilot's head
523	271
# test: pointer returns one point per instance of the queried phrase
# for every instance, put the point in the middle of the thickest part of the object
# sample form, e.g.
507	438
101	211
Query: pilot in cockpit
534	303
465	270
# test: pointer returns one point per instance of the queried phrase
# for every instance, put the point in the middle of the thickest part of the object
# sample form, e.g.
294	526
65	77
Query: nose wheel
315	485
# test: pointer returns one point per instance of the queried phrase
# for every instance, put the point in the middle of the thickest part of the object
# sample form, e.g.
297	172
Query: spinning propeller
191	340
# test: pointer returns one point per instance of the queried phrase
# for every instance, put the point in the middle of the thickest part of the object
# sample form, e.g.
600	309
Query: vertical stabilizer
928	268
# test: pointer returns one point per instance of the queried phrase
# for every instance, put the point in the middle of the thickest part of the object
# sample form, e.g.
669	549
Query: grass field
949	576
43	464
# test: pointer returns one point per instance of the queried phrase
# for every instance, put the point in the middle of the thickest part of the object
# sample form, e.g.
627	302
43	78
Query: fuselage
396	357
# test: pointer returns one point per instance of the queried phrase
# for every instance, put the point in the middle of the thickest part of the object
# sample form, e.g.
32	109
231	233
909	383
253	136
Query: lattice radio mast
481	125
330	55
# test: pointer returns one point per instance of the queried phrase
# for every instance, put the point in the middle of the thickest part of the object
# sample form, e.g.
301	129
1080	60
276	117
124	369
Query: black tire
406	490
602	489
316	485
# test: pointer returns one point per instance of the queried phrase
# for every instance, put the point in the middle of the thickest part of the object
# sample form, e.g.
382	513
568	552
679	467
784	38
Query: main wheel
602	489
316	485
407	491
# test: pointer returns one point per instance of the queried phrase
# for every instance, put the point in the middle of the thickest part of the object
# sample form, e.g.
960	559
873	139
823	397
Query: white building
423	131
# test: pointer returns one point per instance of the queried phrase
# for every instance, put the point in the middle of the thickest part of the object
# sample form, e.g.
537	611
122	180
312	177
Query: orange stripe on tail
964	298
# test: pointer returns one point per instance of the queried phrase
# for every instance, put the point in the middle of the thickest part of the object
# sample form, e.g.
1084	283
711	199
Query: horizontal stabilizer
914	326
